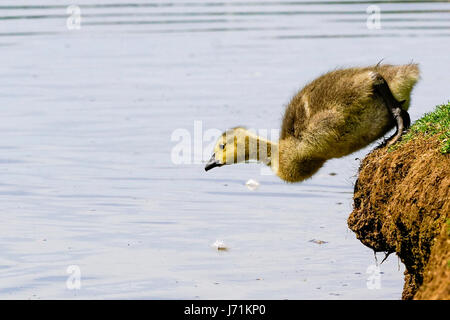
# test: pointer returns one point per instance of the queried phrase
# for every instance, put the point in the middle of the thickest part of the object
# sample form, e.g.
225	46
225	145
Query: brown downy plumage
336	114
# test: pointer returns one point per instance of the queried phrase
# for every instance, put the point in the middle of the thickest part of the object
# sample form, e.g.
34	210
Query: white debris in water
220	245
318	241
252	184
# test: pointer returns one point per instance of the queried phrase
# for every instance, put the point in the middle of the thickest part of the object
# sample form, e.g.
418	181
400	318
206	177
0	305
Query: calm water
85	154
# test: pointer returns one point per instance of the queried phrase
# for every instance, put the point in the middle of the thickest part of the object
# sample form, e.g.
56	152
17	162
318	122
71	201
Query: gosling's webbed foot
401	117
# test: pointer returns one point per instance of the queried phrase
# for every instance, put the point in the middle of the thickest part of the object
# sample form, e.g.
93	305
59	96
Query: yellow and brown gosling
336	114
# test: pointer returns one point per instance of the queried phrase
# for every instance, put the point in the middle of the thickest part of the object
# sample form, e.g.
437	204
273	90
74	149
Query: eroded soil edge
401	205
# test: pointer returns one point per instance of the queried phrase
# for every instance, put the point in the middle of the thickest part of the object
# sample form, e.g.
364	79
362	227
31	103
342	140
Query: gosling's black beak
212	163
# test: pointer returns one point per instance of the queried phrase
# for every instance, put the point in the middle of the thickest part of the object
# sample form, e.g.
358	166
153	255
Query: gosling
336	114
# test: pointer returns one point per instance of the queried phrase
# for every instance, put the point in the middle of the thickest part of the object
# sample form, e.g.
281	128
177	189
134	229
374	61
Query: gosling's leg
401	116
403	121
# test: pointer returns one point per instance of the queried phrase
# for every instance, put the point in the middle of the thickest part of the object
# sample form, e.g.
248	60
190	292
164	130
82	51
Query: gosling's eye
222	146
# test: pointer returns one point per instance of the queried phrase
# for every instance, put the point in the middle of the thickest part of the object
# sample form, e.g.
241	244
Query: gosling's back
341	108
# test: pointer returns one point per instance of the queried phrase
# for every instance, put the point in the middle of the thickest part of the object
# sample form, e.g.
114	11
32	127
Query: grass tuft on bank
432	123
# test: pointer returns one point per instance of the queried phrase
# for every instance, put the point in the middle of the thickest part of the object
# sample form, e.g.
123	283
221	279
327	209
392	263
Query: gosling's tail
401	80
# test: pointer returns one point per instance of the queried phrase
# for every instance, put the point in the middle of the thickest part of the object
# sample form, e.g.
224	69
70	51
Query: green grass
436	122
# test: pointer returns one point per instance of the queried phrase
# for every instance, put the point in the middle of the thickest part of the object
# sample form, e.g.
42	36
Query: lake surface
88	117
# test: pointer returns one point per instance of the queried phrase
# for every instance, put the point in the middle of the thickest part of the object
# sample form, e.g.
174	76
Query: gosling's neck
290	159
262	150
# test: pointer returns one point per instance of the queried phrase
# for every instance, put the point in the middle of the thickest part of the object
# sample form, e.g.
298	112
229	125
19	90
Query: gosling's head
231	147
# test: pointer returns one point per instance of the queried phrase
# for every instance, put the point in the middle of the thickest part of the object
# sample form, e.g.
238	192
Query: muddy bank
401	205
